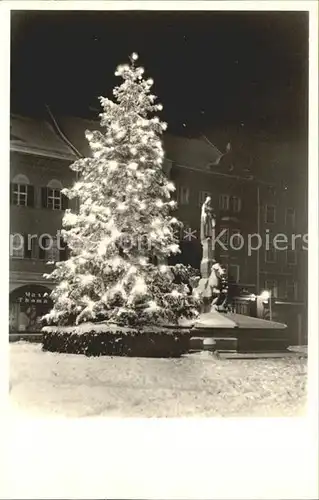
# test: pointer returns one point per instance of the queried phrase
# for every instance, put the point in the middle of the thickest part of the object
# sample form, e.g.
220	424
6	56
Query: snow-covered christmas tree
123	232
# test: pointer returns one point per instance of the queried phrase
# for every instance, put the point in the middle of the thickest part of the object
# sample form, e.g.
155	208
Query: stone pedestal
207	286
207	258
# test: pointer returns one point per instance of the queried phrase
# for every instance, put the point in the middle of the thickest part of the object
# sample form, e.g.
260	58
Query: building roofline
70	154
237	177
289	303
35	152
61	134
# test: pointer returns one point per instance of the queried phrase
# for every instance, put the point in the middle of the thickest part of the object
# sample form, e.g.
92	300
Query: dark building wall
244	221
200	166
284	198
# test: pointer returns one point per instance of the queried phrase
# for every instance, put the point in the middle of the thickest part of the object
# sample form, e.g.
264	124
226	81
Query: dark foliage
165	344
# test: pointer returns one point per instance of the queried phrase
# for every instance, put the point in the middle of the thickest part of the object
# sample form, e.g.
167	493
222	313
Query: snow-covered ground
43	383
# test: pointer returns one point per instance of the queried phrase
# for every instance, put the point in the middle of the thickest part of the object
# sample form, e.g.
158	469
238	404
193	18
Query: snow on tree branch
124	219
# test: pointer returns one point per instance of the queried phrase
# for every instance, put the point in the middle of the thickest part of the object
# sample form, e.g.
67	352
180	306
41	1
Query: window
52	196
282	289
183	195
291	257
292	290
242	308
233	270
224	202
224	238
272	286
290	217
22	246
52	249
21	193
270	255
202	197
227	202
17	246
48	249
236	238
270	214
54	199
236	204
53	253
271	190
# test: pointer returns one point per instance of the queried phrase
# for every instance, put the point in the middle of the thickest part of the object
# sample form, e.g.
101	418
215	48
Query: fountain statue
218	326
212	286
207	228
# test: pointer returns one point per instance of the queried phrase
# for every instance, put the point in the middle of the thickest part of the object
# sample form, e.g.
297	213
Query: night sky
211	69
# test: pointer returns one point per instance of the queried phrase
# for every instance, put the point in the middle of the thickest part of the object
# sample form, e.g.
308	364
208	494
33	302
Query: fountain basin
237	332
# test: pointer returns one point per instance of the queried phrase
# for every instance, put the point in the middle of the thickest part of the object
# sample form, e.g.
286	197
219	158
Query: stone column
207	258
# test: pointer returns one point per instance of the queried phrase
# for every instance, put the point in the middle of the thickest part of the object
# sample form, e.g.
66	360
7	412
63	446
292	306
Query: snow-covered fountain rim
104	327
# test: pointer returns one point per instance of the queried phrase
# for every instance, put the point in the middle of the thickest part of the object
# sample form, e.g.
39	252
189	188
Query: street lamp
265	297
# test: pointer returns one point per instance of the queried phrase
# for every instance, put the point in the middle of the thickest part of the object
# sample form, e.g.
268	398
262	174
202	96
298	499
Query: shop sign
34	298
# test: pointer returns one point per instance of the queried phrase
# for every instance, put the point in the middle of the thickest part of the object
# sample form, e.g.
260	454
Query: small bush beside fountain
99	339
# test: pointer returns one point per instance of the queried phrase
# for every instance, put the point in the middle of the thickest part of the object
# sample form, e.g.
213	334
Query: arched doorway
28	304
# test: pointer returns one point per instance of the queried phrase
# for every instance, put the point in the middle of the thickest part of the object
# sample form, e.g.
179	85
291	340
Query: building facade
245	206
262	223
39	169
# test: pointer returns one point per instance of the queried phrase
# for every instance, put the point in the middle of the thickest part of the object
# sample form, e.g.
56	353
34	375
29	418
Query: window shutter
30	197
65	202
63	250
34	248
27	247
11	193
44	197
42	248
232	204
